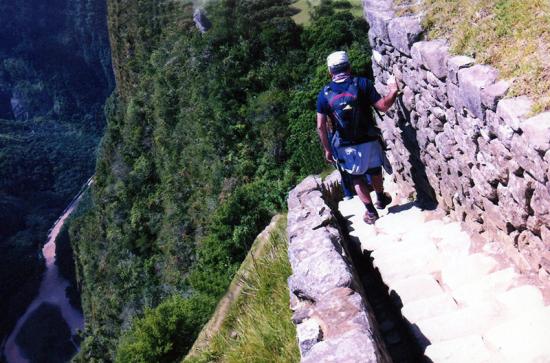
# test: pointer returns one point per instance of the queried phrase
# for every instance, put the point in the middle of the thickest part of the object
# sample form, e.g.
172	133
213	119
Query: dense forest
206	135
55	74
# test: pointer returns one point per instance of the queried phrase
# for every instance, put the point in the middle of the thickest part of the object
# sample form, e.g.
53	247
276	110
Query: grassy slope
305	5
256	326
512	35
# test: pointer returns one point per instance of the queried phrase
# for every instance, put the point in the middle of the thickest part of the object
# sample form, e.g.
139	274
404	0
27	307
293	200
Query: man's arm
323	135
386	102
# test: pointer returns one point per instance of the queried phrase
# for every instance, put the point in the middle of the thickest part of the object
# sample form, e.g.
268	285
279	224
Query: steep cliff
55	75
56	60
205	135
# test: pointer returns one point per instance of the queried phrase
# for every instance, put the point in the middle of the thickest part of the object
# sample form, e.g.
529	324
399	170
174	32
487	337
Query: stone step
486	288
467	270
422	231
415	288
428	308
372	242
517	301
452	243
353	210
525	339
402	222
474	320
469	349
404	260
450	230
404	249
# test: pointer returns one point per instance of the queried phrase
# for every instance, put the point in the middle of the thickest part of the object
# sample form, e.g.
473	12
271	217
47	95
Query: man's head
338	62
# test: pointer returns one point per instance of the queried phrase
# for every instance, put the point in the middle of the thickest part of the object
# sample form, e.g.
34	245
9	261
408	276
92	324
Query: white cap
337	58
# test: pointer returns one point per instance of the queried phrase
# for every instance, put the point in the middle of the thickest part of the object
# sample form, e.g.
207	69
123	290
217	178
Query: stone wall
333	321
457	140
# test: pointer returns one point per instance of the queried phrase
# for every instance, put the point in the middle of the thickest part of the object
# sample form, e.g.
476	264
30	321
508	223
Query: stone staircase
464	302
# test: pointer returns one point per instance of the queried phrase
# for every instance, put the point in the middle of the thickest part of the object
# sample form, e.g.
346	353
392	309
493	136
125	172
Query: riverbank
31	336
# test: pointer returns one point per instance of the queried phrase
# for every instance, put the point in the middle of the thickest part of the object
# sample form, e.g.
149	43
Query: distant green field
305	5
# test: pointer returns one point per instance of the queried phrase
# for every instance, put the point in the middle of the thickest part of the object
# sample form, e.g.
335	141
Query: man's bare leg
383	199
362	190
378	183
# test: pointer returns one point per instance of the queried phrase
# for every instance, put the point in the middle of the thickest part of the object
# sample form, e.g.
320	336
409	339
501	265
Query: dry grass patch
511	35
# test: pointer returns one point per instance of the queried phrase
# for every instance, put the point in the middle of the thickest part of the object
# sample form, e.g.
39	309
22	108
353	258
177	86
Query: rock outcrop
201	20
456	139
334	322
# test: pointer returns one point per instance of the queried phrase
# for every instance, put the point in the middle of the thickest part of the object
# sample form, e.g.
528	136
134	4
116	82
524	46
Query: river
51	293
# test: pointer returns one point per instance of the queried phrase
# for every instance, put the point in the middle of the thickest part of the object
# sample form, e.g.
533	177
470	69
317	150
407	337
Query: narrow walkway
463	302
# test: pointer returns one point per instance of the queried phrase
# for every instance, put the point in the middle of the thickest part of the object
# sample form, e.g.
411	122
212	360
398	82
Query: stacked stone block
333	322
457	140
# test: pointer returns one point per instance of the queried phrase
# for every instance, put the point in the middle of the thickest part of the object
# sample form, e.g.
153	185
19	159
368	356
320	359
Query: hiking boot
381	204
370	217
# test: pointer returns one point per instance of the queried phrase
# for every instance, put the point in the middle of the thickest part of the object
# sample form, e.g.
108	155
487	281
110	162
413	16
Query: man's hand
328	157
386	102
392	87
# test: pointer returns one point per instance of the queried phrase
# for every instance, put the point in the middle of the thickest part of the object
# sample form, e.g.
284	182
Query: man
343	110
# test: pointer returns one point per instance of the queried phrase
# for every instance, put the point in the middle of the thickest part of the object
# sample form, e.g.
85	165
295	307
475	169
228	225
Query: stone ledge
333	322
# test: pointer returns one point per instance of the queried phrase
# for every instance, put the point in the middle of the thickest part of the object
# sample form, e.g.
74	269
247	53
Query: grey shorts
357	159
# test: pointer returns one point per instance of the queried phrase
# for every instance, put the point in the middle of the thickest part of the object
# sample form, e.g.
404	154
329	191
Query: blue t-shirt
366	89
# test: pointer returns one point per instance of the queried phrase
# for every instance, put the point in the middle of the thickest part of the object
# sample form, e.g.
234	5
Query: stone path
463	304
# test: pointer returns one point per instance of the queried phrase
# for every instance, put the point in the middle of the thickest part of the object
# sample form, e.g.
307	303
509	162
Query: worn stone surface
433	55
463	322
472	82
309	333
415	288
429	307
319	273
348	348
490	95
455	64
484	288
467	270
404	32
509	339
536	131
469	349
378	20
521	299
513	110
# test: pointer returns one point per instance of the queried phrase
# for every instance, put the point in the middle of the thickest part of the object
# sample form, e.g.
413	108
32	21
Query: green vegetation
42	166
257	326
54	78
512	35
206	135
304	8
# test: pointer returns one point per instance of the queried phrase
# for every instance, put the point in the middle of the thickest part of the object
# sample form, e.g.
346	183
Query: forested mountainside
206	134
55	74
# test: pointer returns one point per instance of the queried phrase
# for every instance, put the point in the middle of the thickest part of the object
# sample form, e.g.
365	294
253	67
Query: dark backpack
351	117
